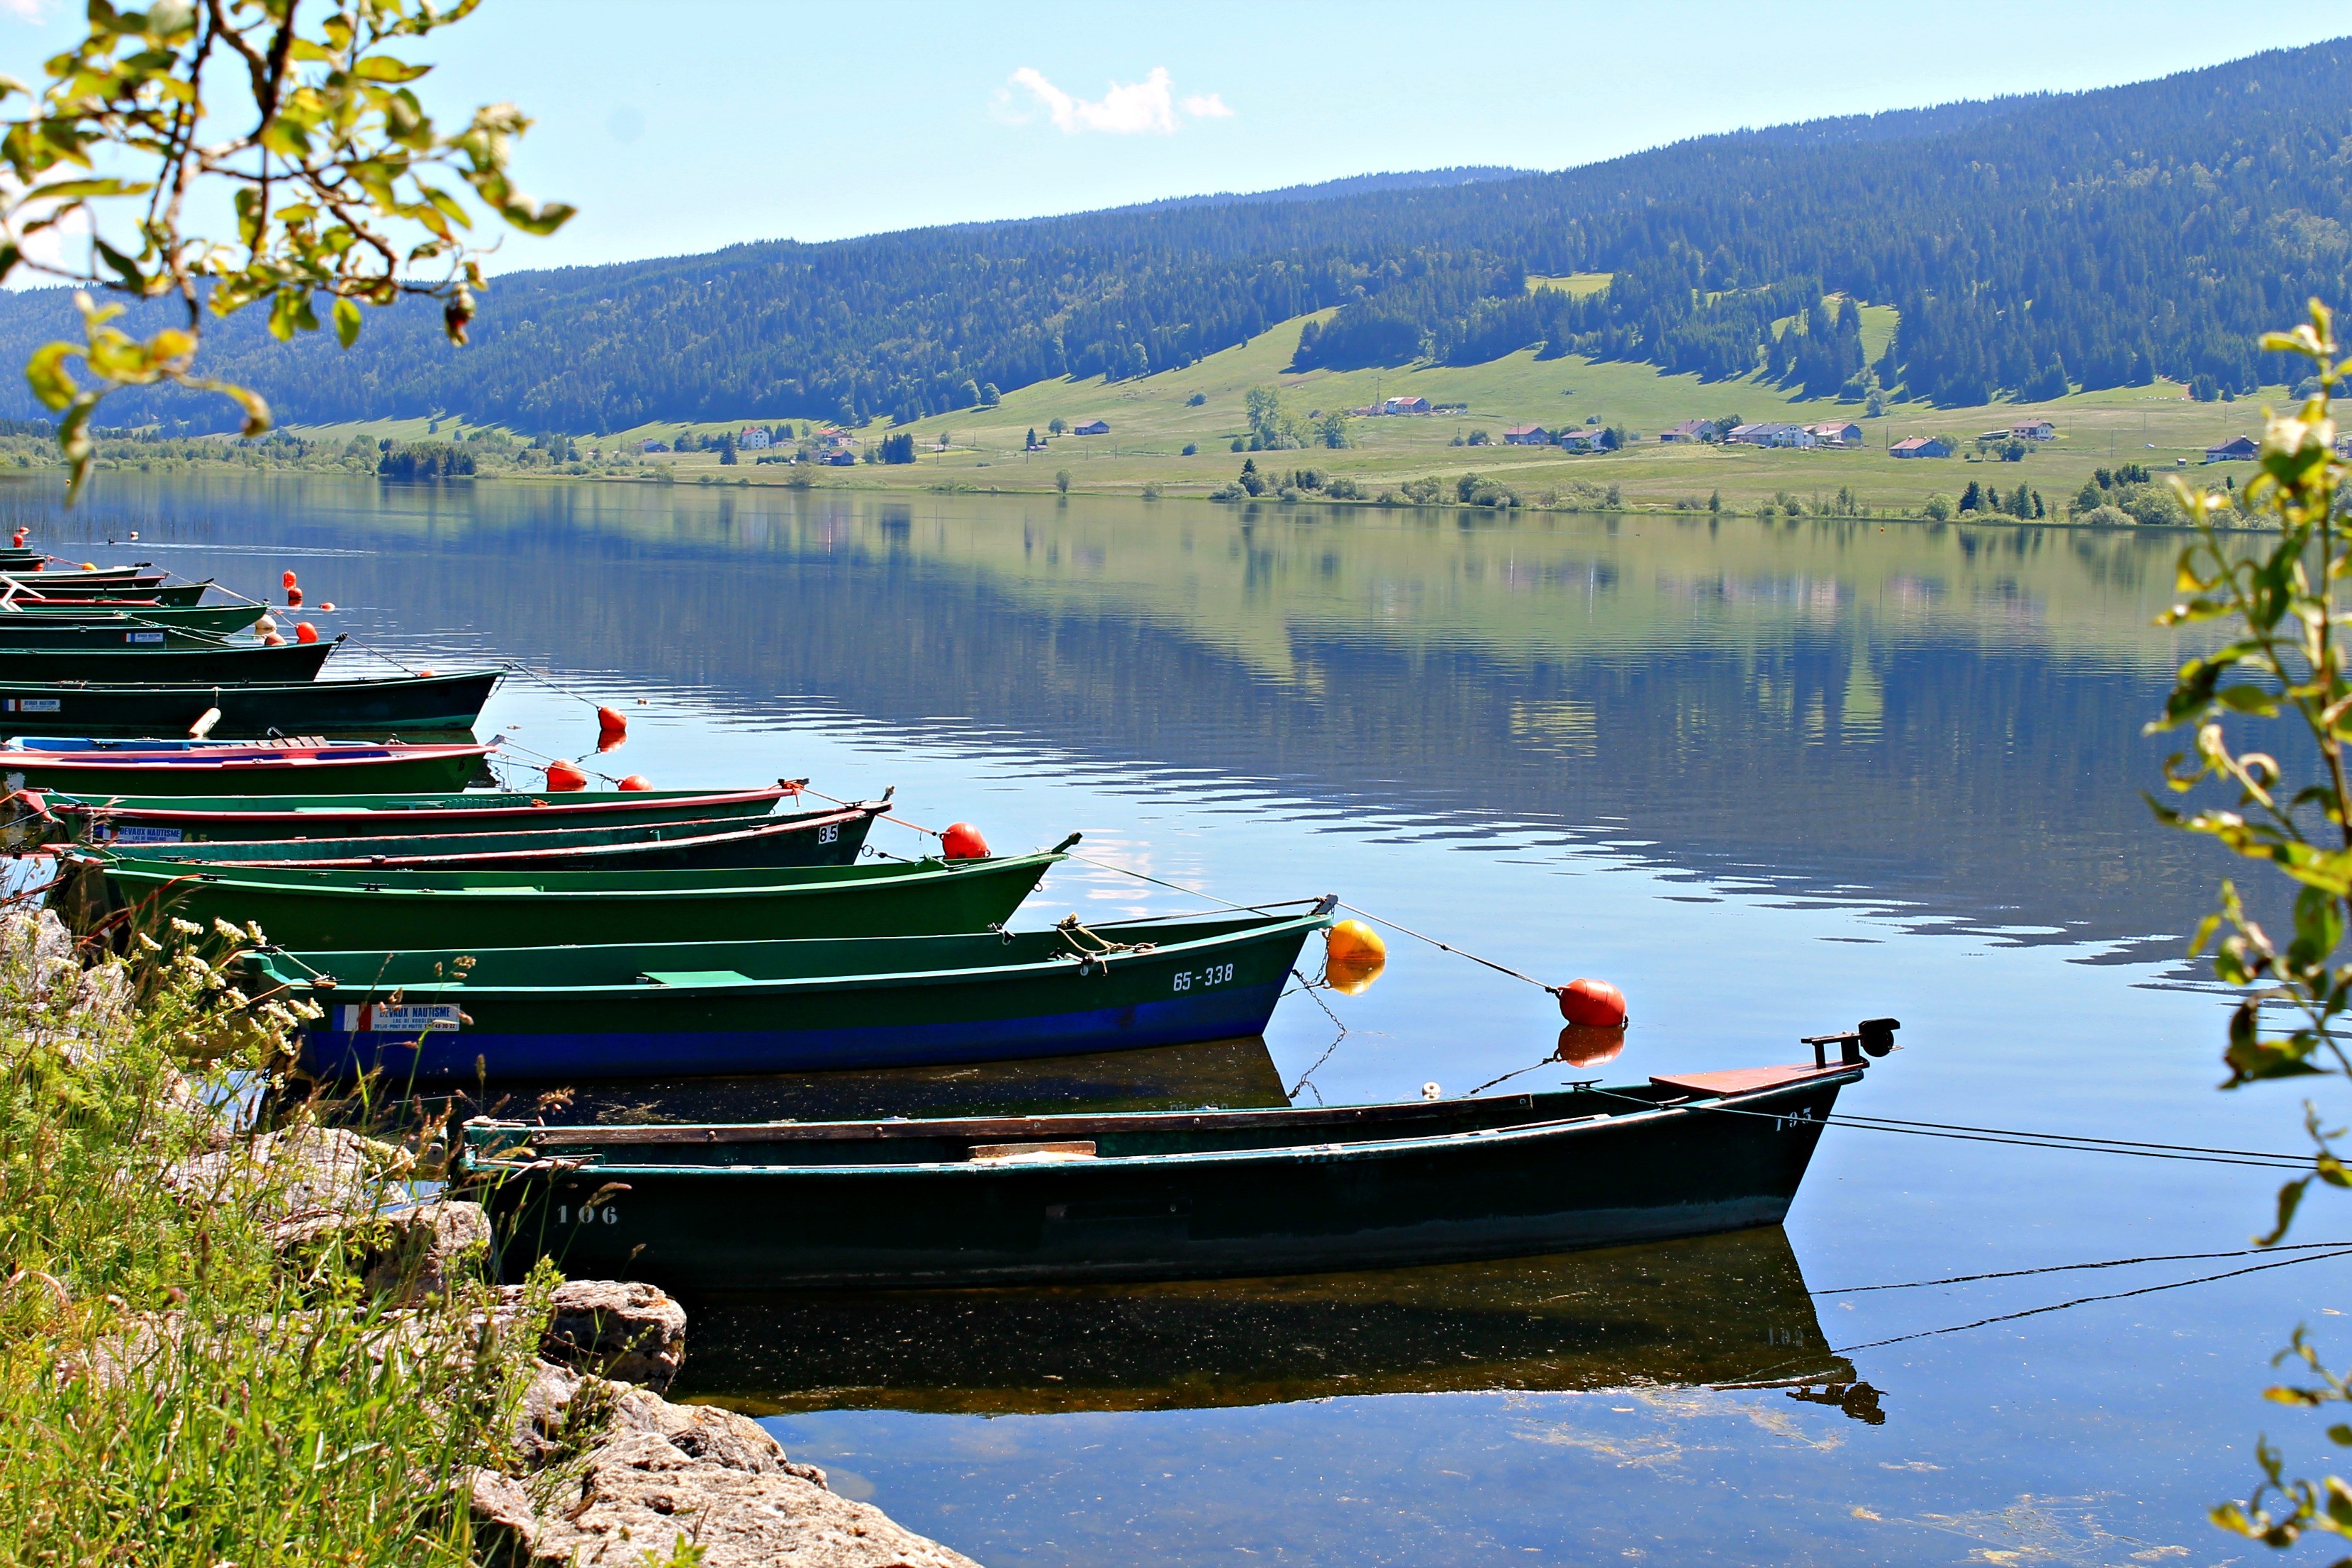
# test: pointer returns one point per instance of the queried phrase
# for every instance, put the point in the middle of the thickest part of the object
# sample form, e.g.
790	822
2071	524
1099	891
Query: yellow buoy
1353	957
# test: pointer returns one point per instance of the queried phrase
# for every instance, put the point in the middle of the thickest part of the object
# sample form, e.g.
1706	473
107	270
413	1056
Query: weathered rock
661	1471
295	1177
627	1332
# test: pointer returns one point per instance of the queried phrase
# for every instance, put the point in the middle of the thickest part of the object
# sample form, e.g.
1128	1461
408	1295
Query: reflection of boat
1157	1194
1234	1072
1713	1309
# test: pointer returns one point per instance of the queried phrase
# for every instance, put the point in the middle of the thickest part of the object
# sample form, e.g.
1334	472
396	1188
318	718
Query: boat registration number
142	836
587	1214
142	637
1215	974
374	1018
32	705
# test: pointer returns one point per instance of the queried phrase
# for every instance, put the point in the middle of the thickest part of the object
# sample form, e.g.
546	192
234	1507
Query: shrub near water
172	1389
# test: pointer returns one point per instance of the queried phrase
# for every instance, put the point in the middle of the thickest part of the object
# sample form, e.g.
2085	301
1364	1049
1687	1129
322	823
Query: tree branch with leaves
340	184
2284	661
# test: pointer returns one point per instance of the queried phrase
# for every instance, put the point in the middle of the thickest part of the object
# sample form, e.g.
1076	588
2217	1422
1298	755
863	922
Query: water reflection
1715	1311
1921	716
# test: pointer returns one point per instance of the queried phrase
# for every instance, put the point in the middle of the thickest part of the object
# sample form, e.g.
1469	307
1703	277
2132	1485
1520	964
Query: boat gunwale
557	1165
761	826
67	803
753	985
916	873
250	688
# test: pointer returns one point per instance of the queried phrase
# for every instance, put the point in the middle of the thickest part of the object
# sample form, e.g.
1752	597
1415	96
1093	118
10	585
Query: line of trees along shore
2031	244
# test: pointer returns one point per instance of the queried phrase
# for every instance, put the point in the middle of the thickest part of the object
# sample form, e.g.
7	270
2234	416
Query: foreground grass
175	1386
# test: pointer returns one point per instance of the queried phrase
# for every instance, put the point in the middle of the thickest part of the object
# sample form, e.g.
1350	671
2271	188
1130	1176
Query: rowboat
121	659
211	620
640	1009
81	766
1716	1309
191	819
431	703
101	632
144	573
1158	1195
828	837
486	908
115	594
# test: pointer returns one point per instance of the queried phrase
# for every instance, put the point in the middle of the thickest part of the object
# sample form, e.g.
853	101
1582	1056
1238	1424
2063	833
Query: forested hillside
2031	244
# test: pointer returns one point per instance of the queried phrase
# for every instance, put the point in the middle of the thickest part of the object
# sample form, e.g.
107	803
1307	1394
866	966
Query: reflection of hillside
1946	717
1725	1308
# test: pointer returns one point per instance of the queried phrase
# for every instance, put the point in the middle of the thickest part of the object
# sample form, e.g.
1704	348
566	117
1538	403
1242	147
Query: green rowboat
638	1010
391	705
483	910
201	819
215	620
169	767
119	659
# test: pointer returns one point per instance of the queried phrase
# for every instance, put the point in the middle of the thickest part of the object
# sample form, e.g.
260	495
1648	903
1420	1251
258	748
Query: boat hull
201	819
210	621
379	909
932	1001
118	661
1596	1180
437	703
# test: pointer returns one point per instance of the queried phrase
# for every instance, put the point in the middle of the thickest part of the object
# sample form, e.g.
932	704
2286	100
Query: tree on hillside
1056	426
335	171
727	449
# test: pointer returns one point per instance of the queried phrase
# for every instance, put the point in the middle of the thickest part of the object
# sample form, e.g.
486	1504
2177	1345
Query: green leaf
384	68
347	321
2290	1198
124	268
47	372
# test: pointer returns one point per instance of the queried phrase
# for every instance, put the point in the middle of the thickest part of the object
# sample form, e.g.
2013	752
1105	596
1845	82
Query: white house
1405	405
752	437
1774	436
1835	433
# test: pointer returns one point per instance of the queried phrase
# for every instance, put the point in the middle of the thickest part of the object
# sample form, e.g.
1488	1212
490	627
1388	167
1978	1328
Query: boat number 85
1215	974
588	1213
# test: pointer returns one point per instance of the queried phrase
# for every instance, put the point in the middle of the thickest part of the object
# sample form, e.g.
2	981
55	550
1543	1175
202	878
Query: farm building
1690	432
1919	446
1092	427
1527	436
2236	449
1581	440
1835	433
1769	435
1405	405
2034	430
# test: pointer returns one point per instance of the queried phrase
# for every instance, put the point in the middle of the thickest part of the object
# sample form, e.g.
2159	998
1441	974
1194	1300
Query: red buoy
635	780
294	597
563	776
304	632
285	578
327	606
962	841
271	639
1595	1004
19	540
612	724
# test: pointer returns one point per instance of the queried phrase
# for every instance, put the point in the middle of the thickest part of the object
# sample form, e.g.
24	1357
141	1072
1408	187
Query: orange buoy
1353	957
563	776
1589	1044
612	729
635	780
294	597
304	632
1593	1003
326	607
19	540
271	639
424	672
962	841
285	578
89	565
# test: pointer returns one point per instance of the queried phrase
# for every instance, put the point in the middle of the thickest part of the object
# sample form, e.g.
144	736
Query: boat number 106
1215	974
588	1213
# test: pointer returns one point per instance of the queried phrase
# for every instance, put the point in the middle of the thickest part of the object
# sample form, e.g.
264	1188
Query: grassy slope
1152	421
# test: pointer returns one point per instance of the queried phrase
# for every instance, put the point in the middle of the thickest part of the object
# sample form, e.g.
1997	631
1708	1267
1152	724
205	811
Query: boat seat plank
1746	1080
696	977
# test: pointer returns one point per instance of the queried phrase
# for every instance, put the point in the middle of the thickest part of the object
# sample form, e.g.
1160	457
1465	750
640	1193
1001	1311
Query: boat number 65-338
1215	974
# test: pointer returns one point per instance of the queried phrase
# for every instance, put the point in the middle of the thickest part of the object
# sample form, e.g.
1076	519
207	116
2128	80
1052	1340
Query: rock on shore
660	1472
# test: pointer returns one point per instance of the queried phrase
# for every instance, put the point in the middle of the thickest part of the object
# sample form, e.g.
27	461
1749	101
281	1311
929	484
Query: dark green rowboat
194	819
432	704
481	910
636	1010
1156	1194
115	633
213	620
120	661
828	837
125	595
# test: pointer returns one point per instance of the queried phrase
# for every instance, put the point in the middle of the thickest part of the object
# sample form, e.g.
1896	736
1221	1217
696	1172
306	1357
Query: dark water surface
1768	780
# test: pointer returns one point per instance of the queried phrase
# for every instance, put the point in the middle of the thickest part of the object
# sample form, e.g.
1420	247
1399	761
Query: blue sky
690	124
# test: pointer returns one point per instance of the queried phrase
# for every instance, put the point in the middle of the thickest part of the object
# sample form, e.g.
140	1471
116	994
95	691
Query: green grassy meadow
1153	419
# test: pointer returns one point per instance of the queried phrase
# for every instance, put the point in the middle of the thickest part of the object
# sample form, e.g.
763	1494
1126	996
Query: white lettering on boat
1215	974
416	1018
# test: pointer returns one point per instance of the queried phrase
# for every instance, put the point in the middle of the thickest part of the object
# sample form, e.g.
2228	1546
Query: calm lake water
1768	780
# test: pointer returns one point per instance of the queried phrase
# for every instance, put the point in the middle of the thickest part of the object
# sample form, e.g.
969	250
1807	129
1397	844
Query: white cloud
1125	108
27	10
